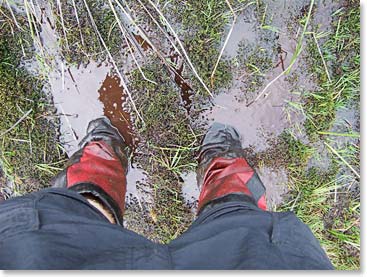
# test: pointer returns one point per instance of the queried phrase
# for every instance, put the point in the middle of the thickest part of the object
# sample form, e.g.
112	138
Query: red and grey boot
99	168
223	173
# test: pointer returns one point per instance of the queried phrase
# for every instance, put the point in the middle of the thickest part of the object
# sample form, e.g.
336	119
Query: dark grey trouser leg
58	229
236	234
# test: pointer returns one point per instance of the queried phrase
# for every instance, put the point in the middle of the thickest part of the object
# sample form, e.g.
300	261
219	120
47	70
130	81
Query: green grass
29	152
341	51
328	200
202	27
79	41
169	148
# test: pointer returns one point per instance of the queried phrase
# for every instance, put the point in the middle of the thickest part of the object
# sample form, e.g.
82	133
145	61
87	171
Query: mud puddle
258	119
82	94
87	93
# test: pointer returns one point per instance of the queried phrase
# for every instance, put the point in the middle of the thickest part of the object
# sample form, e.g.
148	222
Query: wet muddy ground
84	92
261	46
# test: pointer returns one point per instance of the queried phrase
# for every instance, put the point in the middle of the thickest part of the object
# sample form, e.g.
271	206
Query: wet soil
85	92
114	100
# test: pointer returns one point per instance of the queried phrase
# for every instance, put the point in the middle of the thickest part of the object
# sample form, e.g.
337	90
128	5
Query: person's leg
59	228
223	172
233	229
98	170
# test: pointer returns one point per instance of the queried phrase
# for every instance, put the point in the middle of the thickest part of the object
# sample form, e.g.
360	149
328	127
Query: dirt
115	107
84	92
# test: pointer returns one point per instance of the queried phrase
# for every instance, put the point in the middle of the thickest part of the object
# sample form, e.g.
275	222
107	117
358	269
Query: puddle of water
81	94
244	30
114	100
256	122
275	182
138	187
75	95
190	190
267	117
84	93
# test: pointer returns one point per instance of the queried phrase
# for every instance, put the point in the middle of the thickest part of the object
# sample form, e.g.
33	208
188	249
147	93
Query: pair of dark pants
58	229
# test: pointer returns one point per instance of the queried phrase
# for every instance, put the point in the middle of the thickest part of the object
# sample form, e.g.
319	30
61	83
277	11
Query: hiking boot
99	167
223	169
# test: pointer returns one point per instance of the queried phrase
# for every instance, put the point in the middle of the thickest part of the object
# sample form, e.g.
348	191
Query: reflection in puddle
275	182
114	100
75	94
142	42
190	190
254	123
138	187
186	92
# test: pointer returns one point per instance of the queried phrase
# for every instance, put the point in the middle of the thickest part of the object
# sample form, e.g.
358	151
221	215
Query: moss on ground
341	52
79	41
28	139
170	142
202	29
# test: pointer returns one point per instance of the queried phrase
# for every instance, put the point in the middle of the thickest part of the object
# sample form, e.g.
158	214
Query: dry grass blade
62	22
78	21
342	159
16	123
13	16
124	85
123	32
187	58
225	43
322	57
31	16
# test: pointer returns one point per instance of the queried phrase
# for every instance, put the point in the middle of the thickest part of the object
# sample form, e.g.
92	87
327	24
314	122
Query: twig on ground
181	46
225	43
342	159
16	123
124	85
